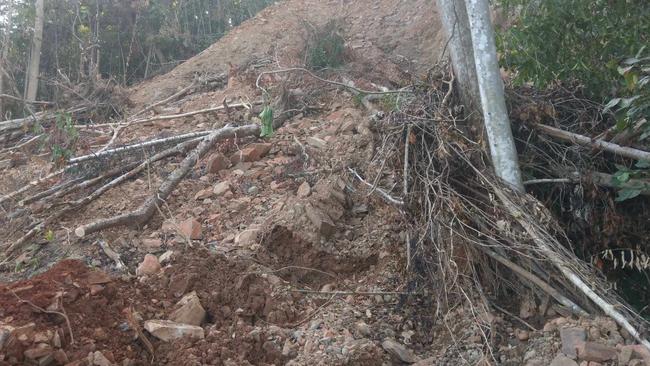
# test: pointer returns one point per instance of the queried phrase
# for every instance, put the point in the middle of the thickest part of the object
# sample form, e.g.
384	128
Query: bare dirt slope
408	31
271	250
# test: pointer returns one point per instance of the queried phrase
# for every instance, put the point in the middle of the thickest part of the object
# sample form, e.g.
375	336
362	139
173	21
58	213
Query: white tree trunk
31	87
453	15
490	85
3	58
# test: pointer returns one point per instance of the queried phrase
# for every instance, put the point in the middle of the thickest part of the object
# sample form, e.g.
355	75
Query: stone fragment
96	289
247	237
399	351
191	229
204	194
562	360
98	278
167	330
60	356
304	190
166	256
316	142
592	351
38	351
571	339
149	266
251	153
221	188
323	224
217	162
189	311
151	244
100	360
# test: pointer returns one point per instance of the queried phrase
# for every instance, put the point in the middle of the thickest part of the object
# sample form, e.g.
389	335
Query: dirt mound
410	34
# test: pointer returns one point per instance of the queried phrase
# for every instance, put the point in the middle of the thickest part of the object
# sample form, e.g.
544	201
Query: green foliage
325	47
63	138
267	122
573	40
633	113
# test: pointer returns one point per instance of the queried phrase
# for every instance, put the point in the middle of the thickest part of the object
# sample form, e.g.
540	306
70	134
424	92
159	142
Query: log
624	151
148	208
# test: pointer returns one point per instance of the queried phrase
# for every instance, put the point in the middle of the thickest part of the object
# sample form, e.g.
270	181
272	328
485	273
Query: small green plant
632	113
63	138
49	236
267	122
325	46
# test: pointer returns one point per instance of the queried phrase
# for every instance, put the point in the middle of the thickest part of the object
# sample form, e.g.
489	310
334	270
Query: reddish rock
149	266
250	153
304	190
191	229
316	142
203	194
151	244
98	278
95	289
217	162
60	357
38	351
592	351
222	188
572	338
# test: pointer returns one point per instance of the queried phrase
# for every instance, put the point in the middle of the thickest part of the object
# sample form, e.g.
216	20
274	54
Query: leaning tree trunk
31	87
490	85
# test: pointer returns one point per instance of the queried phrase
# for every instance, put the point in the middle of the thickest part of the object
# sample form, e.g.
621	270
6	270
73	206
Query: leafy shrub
325	46
633	115
573	40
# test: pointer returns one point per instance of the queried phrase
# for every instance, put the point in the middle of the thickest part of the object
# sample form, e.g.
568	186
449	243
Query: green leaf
612	103
621	177
267	122
626	194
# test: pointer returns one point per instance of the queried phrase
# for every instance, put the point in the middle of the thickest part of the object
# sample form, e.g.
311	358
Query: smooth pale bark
31	87
3	60
490	85
455	22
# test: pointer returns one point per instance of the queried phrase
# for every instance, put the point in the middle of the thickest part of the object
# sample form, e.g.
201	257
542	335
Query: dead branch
7	96
147	209
624	151
59	313
601	179
573	277
381	192
141	145
573	307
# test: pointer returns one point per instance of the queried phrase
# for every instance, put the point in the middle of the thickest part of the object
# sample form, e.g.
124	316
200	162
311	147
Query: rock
304	190
191	229
149	266
98	278
151	244
166	256
323	224
522	335
221	188
363	328
562	360
217	162
96	289
592	351
625	355
398	351
100	360
38	351
190	311
251	153
572	338
253	190
247	237
60	356
316	142
167	330
204	194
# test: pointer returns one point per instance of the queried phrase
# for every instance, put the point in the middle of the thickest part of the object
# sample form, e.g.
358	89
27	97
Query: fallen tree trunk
141	145
627	152
148	208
